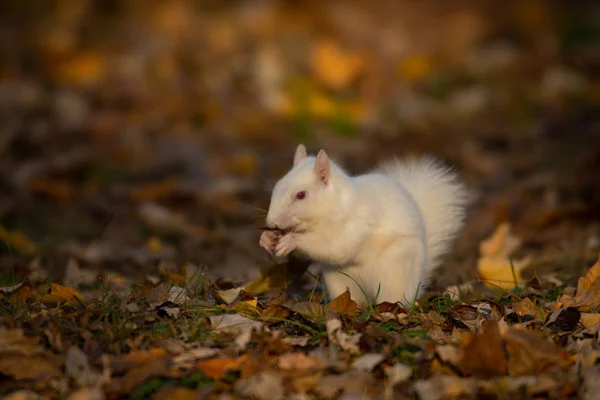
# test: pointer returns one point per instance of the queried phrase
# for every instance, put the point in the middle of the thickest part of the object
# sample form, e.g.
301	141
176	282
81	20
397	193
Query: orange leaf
58	294
145	355
17	293
83	69
333	66
217	368
155	190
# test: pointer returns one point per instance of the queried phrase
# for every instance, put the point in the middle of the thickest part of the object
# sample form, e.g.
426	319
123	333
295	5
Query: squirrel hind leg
401	270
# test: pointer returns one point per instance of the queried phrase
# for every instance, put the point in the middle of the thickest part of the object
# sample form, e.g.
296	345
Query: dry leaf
13	341
145	355
18	293
217	368
587	296
589	320
17	241
333	66
501	244
335	334
20	367
500	272
415	68
298	361
343	304
484	354
530	353
367	362
58	294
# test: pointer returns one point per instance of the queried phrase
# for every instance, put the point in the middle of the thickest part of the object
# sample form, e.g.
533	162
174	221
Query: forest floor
138	146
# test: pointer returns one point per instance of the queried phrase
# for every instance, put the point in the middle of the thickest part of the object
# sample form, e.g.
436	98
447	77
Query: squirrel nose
271	223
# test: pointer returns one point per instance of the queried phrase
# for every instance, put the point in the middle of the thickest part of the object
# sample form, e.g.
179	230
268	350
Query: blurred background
140	135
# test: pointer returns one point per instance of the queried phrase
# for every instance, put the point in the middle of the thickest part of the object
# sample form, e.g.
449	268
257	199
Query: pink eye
301	195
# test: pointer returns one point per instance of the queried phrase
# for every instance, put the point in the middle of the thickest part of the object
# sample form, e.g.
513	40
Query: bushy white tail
440	196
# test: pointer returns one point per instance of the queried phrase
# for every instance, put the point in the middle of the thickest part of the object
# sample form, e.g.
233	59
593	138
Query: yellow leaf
155	245
246	308
273	278
588	320
17	241
83	69
415	68
229	295
217	368
333	66
501	244
497	271
58	294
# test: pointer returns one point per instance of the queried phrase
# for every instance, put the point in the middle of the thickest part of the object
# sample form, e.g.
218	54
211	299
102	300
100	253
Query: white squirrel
386	230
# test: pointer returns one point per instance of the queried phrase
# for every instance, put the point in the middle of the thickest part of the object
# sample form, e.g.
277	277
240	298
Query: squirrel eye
301	195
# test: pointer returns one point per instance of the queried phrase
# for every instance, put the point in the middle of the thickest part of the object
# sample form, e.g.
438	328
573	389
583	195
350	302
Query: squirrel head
306	193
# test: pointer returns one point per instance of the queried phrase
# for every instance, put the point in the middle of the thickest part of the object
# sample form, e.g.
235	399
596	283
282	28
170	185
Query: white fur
386	230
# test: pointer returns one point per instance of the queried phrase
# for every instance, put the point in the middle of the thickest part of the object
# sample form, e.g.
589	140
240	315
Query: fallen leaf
564	319
530	353
155	191
229	295
85	68
415	68
501	272
527	307
367	362
20	367
298	361
187	359
265	385
217	368
334	66
588	320
587	296
335	334
233	323
78	367
145	355
502	243
395	374
350	383
18	293
343	304
484	356
440	387
275	314
17	241
13	341
58	294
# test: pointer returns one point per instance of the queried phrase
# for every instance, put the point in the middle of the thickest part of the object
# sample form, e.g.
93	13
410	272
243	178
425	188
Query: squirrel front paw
285	245
269	239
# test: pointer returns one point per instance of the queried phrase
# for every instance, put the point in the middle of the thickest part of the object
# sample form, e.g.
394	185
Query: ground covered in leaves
138	144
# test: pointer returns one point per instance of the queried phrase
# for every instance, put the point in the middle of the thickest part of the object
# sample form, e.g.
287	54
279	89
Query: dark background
143	134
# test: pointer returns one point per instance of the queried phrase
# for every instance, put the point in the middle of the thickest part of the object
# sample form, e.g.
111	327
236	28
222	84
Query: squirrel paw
286	245
269	239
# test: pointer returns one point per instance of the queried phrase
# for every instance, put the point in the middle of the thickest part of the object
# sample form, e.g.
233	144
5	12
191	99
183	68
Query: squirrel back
440	196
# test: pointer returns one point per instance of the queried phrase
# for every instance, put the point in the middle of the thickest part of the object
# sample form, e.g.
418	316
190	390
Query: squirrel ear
300	154
323	167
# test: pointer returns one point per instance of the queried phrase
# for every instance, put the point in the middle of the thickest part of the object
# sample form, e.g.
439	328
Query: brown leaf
18	293
217	368
587	295
19	366
343	304
531	353
156	190
484	355
275	314
13	341
145	355
564	319
58	294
